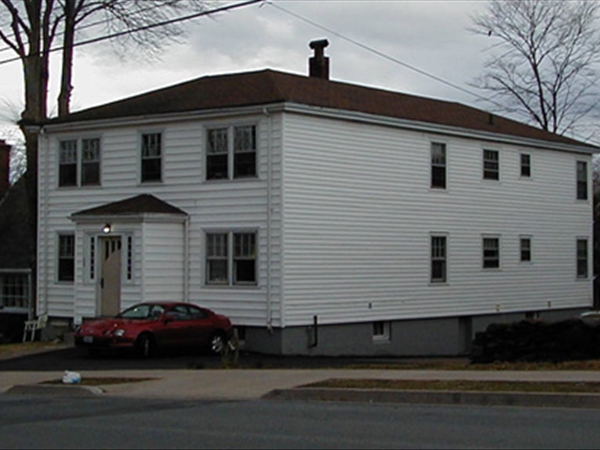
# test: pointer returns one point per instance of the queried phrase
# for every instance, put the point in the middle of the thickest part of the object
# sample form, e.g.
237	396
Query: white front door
110	276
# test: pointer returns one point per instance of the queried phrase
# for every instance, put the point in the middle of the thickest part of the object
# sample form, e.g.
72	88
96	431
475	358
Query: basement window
382	331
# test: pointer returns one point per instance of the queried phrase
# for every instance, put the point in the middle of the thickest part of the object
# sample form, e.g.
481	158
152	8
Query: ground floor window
66	257
231	258
582	258
14	290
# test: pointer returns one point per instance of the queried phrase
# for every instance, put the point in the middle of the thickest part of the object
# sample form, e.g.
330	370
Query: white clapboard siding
359	213
158	258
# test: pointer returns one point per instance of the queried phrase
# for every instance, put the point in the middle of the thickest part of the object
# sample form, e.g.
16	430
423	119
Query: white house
323	218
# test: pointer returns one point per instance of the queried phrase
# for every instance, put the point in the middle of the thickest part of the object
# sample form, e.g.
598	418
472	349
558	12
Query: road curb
66	390
439	397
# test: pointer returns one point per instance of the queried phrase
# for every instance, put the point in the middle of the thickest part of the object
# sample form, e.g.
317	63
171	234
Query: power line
147	27
379	53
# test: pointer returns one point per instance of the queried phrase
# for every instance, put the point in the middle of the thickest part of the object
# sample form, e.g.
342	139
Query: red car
146	327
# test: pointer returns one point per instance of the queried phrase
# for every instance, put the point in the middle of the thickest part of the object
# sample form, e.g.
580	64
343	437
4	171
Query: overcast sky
429	35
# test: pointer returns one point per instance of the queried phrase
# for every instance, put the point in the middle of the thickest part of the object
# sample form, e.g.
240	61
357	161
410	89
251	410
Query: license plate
88	339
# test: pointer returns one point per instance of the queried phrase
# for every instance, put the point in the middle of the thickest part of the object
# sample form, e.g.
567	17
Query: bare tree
544	61
32	27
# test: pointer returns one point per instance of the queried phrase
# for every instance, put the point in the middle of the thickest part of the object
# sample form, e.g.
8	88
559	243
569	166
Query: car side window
180	312
197	313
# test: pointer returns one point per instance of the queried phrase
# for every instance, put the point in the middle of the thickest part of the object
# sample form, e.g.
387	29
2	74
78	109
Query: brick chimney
318	64
4	167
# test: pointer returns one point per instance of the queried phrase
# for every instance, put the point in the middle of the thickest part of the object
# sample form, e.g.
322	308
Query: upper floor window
491	253
491	165
66	257
438	165
582	180
438	259
525	248
151	157
231	258
79	162
231	152
525	165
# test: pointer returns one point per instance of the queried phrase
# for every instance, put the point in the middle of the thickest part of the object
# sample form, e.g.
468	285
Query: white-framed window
382	331
79	162
231	258
525	248
231	152
525	165
151	157
438	165
582	258
439	261
491	252
14	290
582	180
66	257
491	165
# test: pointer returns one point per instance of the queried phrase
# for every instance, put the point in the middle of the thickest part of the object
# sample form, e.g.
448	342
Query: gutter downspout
44	215
269	217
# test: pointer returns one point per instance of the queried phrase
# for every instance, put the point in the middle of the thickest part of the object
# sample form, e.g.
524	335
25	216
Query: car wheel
145	345
217	343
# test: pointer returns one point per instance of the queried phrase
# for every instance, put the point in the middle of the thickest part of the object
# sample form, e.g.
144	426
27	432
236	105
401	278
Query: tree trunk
64	98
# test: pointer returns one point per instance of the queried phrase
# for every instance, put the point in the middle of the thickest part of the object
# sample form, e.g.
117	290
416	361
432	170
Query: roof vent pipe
318	64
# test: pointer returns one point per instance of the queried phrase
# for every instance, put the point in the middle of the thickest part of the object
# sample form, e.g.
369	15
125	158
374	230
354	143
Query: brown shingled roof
269	86
141	204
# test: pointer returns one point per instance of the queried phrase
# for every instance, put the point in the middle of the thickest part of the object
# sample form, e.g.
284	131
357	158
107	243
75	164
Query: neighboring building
16	253
323	218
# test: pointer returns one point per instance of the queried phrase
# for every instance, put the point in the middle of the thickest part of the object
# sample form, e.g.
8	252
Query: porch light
106	229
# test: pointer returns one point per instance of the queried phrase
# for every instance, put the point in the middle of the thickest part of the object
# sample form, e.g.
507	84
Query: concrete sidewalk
283	384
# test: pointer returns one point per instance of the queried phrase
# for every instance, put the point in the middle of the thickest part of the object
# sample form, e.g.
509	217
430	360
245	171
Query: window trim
585	276
578	181
141	134
528	165
528	238
231	151
485	171
434	165
79	162
59	258
499	252
444	280
231	258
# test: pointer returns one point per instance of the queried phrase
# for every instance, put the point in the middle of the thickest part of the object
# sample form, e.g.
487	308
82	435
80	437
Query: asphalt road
51	422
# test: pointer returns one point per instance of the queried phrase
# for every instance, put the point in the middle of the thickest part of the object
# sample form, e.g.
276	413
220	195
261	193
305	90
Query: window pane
67	175
438	165
217	167
90	166
525	249
582	187
438	259
244	145
217	271
491	253
582	258
151	169
525	165
244	271
66	257
491	167
14	290
217	142
217	254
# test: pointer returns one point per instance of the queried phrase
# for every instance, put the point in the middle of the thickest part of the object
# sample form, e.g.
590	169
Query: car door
202	325
176	326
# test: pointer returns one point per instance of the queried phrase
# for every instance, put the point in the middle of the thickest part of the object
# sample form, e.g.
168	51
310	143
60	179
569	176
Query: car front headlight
119	332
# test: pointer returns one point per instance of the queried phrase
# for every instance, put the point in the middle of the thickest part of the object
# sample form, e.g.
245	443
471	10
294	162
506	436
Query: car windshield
143	312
